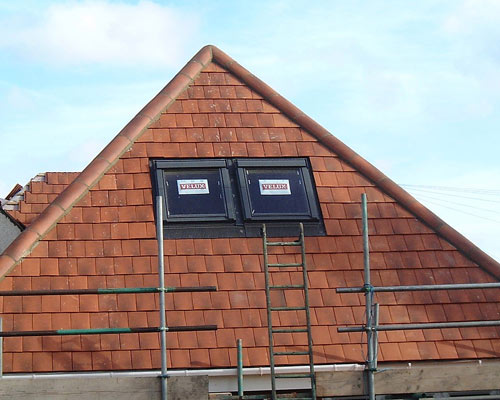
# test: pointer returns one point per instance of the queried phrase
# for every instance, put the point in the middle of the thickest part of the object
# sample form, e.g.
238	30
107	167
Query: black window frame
238	222
161	169
298	164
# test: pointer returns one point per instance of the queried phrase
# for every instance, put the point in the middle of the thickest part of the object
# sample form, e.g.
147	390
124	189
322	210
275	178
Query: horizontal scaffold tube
455	286
431	325
104	331
106	291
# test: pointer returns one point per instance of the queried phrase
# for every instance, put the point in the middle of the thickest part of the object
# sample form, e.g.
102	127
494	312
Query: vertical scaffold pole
161	282
239	346
376	309
369	301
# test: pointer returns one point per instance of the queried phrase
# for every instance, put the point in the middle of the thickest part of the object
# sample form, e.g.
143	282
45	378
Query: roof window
233	197
278	189
195	190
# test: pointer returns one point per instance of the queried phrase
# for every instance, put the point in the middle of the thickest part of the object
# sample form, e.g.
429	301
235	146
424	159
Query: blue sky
414	87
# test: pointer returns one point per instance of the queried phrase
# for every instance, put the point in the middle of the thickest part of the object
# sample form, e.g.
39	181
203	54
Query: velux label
192	186
273	187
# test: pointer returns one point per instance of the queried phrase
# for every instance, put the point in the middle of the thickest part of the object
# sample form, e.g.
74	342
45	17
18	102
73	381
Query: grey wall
8	231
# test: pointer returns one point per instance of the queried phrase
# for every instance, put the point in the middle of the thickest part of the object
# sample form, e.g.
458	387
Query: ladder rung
289	330
291	353
293	376
287	308
296	243
287	287
289	265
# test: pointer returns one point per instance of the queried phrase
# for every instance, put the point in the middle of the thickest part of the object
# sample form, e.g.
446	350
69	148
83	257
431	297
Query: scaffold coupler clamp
367	288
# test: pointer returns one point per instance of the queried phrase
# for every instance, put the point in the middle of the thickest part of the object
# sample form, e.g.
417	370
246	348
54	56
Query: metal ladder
291	329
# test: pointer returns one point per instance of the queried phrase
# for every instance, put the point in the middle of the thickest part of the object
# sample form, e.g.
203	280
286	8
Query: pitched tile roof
25	203
17	187
239	85
99	232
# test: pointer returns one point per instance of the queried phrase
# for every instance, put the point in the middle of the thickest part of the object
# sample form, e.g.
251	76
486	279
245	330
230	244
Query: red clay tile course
106	238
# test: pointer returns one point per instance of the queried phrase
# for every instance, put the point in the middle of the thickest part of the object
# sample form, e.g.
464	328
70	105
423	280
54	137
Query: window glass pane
194	193
277	191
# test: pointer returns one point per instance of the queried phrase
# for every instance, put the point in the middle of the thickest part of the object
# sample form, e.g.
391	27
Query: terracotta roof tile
22	362
258	356
141	359
180	357
13	344
427	350
465	349
434	335
409	351
42	362
119	360
390	352
451	334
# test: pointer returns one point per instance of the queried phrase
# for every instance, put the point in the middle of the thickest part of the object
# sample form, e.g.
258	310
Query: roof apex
90	176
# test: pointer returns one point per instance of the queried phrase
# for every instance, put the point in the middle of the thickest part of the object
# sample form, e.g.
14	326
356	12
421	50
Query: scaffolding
372	326
161	290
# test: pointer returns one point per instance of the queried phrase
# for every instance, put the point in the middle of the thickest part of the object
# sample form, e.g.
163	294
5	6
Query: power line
453	195
490	192
460	204
461	211
428	195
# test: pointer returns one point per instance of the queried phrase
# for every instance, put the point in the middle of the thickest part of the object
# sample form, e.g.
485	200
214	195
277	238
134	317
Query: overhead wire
460	204
452	194
462	211
493	192
427	193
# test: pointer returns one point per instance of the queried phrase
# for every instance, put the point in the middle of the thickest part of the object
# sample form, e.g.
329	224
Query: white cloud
17	98
61	134
393	64
96	32
473	29
473	16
